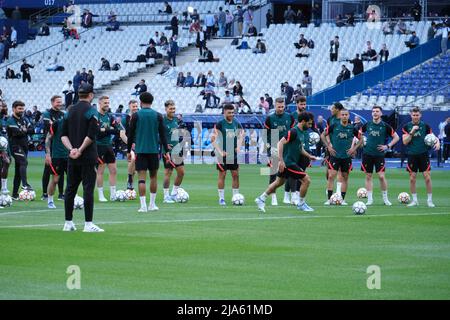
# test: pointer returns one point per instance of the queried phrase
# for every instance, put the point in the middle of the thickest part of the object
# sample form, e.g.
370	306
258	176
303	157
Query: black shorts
224	166
345	165
147	161
295	172
304	163
105	154
171	164
418	162
368	162
58	166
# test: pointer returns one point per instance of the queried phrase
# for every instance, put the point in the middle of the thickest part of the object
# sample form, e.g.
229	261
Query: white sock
100	192
166	193
297	194
49	198
286	195
414	195
152	199
338	187
4	184
175	189
69	222
264	196
87	224
143	202
235	191
113	191
301	201
221	194
370	196
384	194
274	196
430	197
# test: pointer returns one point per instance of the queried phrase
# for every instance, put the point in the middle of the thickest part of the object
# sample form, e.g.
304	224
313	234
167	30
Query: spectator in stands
7	45
298	91
189	81
350	22
167	8
387	27
210	78
316	15
140	88
36	115
240	19
243	106
231	84
269	100
401	27
228	98
358	66
172	50
228	23
222	80
16	14
221	21
87	19
2	50
210	21
269	18
165	67
413	41
339	21
383	54
370	54
303	52
343	75
288	93
195	17
90	78
113	24
263	106
180	79
174	25
25	69
372	16
334	49
237	89
212	101
200	42
248	19
307	83
105	65
252	31
44	31
416	11
68	91
10	74
76	84
302	41
208	56
151	53
55	66
301	19
289	15
163	41
155	40
260	47
13	37
431	31
201	81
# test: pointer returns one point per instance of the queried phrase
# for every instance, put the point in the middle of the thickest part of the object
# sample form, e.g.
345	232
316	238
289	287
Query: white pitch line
230	219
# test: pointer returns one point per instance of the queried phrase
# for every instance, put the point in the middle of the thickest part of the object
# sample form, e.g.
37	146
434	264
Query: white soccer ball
404	198
430	140
27	195
359	207
121	196
238	199
5	200
130	194
361	193
3	143
314	138
336	199
78	203
182	196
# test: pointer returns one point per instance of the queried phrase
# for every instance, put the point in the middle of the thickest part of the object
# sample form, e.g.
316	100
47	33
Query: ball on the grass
121	196
361	193
130	194
3	143
336	199
359	207
5	200
27	195
430	140
238	199
182	196
314	138
404	198
78	203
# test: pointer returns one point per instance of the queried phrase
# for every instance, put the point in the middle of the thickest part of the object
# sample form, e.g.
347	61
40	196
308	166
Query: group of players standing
79	143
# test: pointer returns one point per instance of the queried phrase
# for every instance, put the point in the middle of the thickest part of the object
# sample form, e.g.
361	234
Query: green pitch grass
199	250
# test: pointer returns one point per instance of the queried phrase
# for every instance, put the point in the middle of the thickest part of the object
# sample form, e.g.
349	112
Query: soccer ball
5	200
130	194
121	196
182	196
361	193
78	203
238	199
404	198
314	138
359	207
430	140
3	143
336	199
27	195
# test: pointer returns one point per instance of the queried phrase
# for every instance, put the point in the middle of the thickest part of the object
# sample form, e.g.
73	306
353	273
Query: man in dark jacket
334	49
25	69
343	75
174	25
105	65
358	66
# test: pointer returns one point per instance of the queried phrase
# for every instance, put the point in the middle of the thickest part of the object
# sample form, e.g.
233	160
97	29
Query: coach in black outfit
80	129
25	69
358	66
